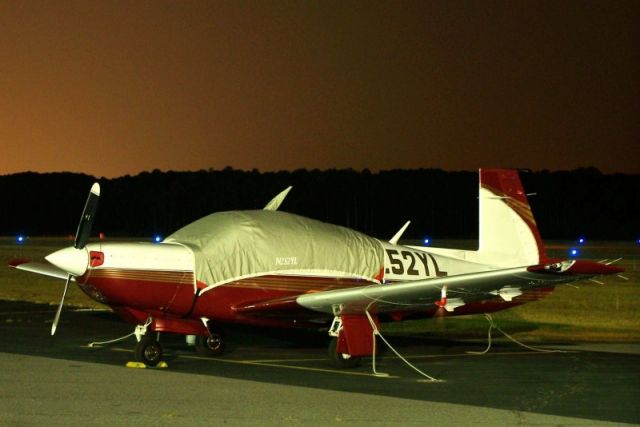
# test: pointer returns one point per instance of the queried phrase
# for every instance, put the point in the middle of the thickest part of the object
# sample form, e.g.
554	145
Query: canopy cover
233	245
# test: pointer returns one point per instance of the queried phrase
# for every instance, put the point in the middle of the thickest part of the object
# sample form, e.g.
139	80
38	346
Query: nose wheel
148	351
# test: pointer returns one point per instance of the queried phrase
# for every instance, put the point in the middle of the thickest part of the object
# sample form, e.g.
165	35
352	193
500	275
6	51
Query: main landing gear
341	360
149	351
337	359
211	345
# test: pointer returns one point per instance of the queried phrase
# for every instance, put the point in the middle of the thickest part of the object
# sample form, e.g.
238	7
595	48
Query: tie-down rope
100	343
376	332
492	325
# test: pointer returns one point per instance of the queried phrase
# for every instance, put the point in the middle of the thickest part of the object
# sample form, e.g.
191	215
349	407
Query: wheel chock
140	365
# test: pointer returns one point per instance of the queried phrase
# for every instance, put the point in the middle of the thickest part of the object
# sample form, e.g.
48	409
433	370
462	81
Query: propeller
86	220
57	318
82	236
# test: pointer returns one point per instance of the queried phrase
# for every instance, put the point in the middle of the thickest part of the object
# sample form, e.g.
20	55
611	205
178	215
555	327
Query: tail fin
508	232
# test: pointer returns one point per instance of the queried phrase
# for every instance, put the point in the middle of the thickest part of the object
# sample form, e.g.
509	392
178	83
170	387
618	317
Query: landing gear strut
148	350
341	360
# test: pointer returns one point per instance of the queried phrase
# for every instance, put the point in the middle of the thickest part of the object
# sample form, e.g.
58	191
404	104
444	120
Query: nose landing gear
148	351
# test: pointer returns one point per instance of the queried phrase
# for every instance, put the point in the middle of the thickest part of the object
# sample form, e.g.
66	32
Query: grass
591	312
18	285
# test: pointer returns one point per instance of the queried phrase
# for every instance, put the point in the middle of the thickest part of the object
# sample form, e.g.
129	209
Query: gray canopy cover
232	245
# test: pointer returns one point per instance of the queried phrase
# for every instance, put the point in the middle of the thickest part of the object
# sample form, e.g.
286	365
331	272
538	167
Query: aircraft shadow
588	385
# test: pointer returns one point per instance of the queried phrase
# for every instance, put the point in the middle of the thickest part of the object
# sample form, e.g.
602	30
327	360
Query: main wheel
148	351
211	345
341	360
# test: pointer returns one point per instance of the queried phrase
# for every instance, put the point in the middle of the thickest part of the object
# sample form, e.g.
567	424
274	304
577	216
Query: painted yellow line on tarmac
288	360
502	353
425	356
276	365
281	363
270	364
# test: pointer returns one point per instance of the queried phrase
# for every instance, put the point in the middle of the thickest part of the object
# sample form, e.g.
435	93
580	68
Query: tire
211	345
148	351
341	360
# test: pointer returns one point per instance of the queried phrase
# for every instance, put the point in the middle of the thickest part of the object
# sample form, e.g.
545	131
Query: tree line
440	204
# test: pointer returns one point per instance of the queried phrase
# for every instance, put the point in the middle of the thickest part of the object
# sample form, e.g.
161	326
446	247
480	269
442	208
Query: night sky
111	88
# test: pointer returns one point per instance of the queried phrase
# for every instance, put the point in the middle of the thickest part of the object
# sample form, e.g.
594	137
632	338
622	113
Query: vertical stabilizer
508	232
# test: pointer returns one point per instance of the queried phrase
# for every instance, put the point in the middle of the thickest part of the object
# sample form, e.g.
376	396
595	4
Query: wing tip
15	263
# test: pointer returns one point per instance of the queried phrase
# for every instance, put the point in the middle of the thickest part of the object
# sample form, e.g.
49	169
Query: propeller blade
57	318
82	236
88	214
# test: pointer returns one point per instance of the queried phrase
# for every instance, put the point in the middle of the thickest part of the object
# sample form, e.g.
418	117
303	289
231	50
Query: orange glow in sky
118	87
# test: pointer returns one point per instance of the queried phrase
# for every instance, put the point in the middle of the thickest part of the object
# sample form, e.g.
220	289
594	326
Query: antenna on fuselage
398	235
275	203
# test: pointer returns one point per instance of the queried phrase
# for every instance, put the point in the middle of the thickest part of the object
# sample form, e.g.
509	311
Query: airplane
276	269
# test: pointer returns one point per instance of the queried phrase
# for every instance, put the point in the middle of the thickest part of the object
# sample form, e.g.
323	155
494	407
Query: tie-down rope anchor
376	332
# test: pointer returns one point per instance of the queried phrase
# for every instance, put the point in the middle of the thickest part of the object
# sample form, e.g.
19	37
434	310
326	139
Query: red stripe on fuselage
301	284
141	289
172	292
160	276
228	302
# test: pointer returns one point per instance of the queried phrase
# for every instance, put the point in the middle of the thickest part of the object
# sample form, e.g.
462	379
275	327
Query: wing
461	289
39	268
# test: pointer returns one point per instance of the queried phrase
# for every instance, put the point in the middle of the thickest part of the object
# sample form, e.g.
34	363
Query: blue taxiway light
427	241
573	252
581	240
20	239
157	238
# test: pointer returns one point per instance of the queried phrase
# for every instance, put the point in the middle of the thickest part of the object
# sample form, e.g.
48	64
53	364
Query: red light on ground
101	236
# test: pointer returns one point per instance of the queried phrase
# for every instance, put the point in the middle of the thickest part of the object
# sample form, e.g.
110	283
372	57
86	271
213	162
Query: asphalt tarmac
285	378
